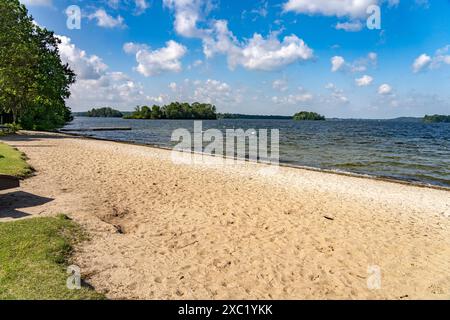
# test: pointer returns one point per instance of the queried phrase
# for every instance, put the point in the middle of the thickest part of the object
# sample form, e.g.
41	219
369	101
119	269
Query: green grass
13	162
34	256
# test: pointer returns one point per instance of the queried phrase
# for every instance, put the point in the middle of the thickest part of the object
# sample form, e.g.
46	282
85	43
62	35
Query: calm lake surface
410	151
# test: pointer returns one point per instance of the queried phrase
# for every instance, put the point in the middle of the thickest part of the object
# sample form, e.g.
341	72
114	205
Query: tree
34	83
18	55
156	112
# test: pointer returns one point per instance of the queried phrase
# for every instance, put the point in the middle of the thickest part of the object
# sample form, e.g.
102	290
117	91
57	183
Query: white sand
205	232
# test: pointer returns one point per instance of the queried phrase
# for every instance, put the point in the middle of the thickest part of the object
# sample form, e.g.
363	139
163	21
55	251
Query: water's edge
281	164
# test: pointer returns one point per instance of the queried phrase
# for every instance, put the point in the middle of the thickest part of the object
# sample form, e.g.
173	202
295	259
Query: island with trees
176	111
436	119
34	82
104	113
308	116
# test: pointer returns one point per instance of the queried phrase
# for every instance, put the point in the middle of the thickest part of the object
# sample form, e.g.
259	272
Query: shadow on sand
10	202
29	137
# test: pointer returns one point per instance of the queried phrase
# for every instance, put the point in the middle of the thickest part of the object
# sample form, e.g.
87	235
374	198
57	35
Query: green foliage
308	116
34	256
11	128
104	113
436	119
34	83
176	110
13	162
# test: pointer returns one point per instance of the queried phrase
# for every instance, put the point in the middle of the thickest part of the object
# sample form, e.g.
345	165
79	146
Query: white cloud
364	81
44	3
87	67
173	86
385	89
280	85
373	57
293	99
187	14
421	62
339	8
141	5
337	63
195	64
349	26
155	62
107	21
257	53
207	91
337	95
131	47
95	85
212	91
424	61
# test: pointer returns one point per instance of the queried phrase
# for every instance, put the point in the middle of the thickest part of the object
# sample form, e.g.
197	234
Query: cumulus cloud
257	53
364	81
96	85
339	8
87	67
155	62
385	89
424	61
338	63
107	21
187	14
421	62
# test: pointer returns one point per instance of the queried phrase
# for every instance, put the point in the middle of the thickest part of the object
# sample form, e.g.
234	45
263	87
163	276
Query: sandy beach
160	230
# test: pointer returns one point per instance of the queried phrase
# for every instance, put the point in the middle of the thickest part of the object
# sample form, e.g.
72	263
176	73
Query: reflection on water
411	151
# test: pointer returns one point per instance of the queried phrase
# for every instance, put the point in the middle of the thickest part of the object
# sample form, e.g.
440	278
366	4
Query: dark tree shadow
33	137
10	202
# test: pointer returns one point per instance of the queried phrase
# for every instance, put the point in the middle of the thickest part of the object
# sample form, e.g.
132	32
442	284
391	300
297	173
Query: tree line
34	83
176	110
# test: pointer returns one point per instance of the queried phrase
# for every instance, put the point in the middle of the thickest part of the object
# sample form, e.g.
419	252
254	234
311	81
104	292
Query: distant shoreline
262	117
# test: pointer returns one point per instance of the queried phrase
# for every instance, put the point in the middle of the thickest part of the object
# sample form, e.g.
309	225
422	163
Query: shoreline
161	230
281	164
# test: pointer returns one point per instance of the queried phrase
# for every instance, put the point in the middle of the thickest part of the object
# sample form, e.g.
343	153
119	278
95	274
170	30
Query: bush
11	128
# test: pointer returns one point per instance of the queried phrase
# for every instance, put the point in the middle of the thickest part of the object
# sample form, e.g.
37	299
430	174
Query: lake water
409	151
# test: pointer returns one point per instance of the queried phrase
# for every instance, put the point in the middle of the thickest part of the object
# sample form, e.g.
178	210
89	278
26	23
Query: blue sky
258	57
